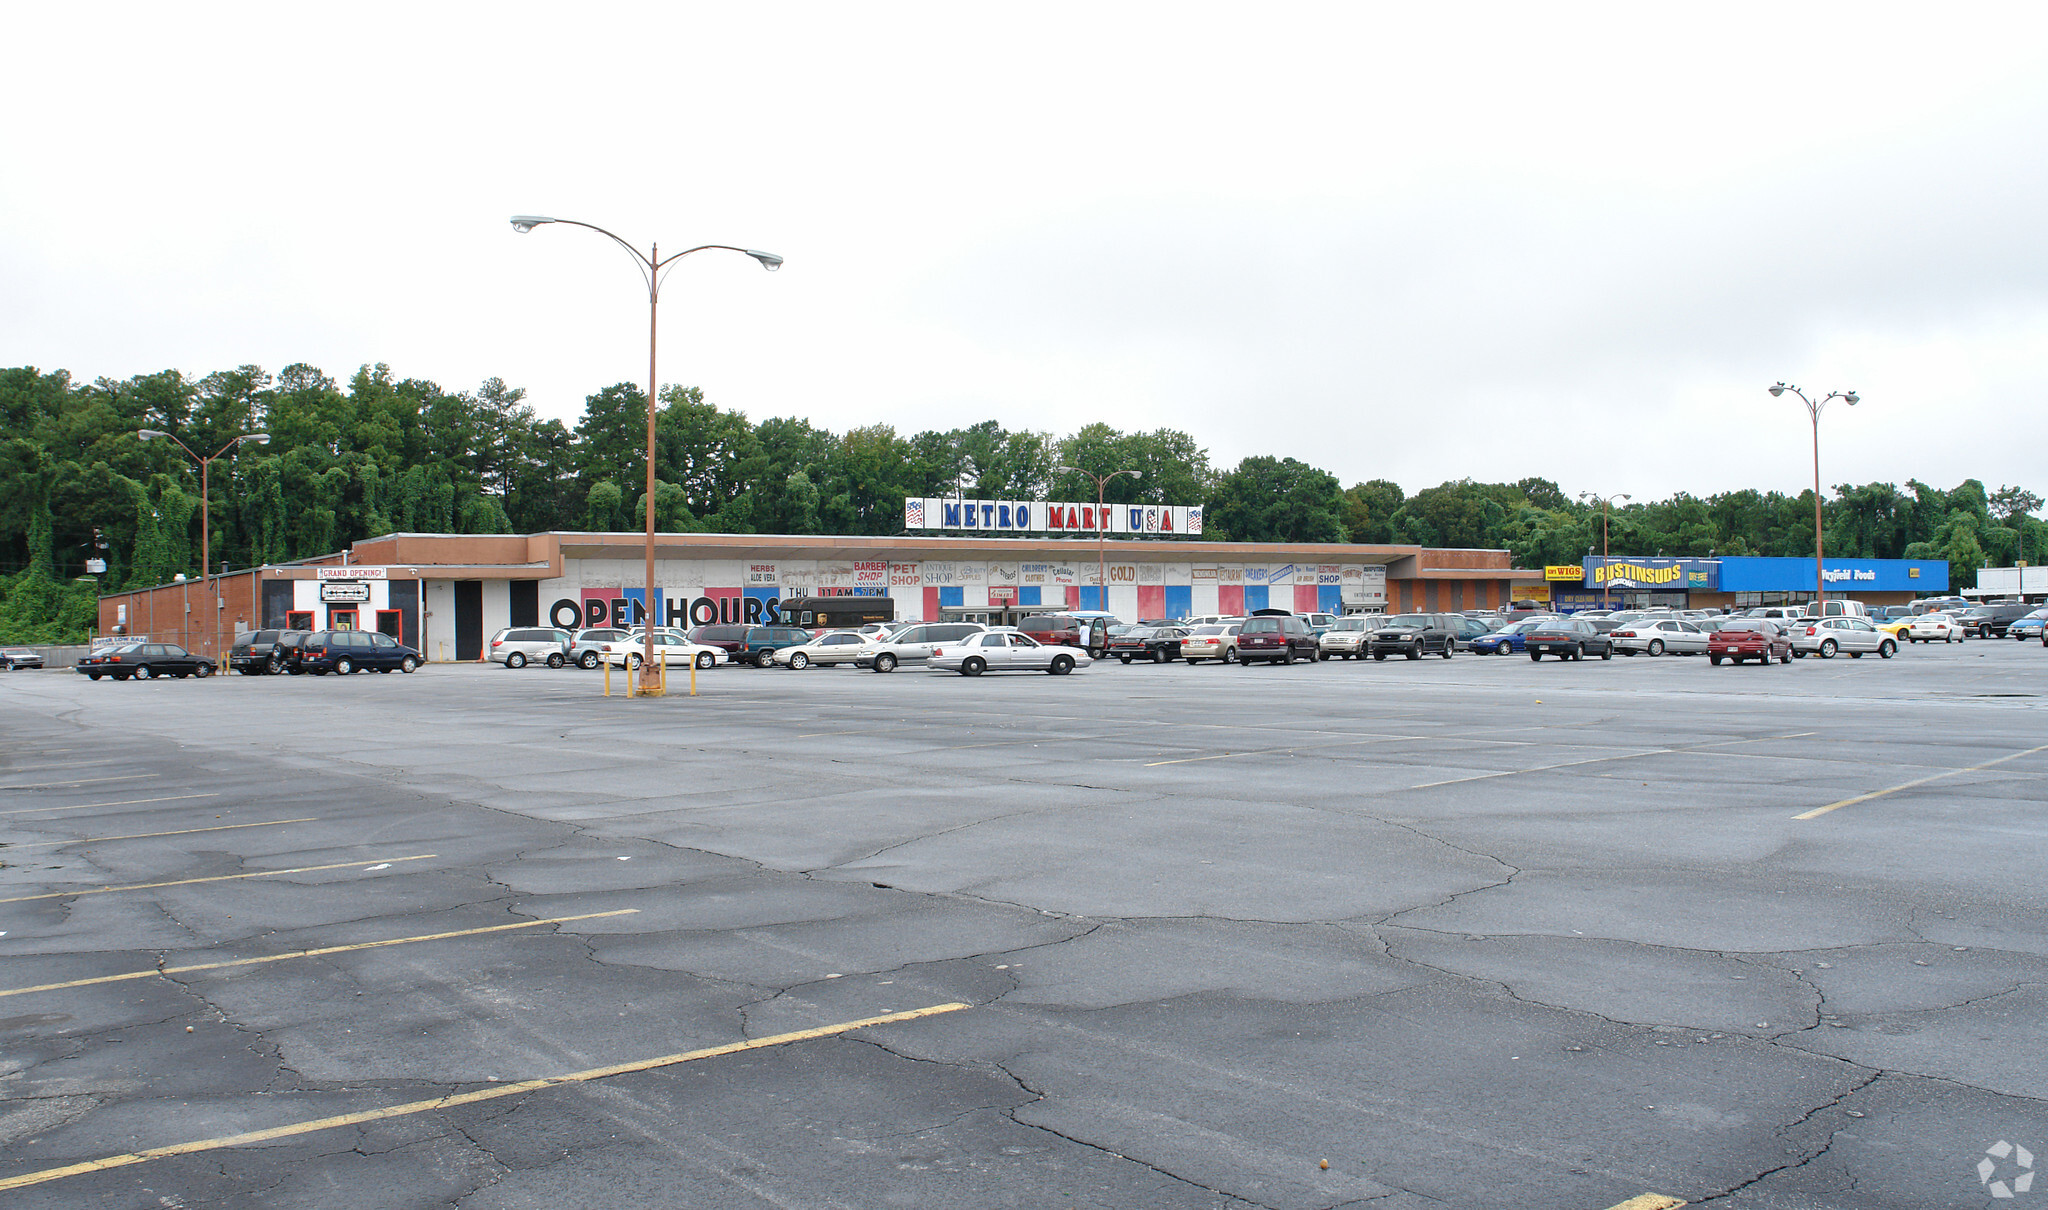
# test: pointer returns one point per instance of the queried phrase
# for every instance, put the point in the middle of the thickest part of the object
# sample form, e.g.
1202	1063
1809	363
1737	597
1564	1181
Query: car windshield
1744	624
1348	624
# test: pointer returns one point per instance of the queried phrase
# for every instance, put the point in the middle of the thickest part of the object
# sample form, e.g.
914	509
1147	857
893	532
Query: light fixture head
258	438
1073	470
1777	390
769	260
523	223
1135	474
1853	398
1625	496
150	434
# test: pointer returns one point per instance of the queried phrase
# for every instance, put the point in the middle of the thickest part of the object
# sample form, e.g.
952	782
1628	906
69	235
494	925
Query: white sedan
676	650
1825	636
1934	628
1006	651
834	647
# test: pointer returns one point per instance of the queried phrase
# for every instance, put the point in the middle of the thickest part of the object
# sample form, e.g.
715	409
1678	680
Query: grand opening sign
1050	517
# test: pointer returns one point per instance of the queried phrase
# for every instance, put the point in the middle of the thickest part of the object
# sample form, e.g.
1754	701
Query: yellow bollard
693	676
607	678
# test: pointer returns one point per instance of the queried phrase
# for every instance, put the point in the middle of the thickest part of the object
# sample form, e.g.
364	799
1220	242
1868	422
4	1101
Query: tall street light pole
1813	410
1605	578
206	511
1101	523
652	265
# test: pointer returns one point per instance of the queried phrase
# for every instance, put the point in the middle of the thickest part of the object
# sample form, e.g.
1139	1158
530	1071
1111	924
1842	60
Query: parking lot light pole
1813	410
652	265
1589	497
206	513
1101	524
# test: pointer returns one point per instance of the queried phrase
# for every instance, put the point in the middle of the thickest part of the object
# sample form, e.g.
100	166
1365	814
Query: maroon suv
1276	638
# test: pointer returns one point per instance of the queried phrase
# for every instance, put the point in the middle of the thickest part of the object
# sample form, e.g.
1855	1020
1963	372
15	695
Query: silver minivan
913	644
518	646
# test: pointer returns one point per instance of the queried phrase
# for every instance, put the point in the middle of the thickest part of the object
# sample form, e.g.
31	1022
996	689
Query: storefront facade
446	593
1743	581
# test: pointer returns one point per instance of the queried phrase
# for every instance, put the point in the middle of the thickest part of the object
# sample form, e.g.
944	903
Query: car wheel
1656	648
1159	655
1124	659
344	666
1061	665
1715	660
1416	652
972	666
885	662
1230	653
1827	649
1609	653
1192	661
203	670
1535	657
142	673
705	659
1287	654
92	676
588	661
1885	649
1503	649
799	660
1450	648
515	660
633	661
407	665
273	665
1379	655
556	659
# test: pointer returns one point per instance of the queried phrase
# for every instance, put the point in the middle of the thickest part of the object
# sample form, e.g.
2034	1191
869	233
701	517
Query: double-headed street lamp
1101	523
1813	410
1605	578
652	266
206	511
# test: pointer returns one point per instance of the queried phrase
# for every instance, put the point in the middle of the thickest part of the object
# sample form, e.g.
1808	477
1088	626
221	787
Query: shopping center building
446	593
1736	582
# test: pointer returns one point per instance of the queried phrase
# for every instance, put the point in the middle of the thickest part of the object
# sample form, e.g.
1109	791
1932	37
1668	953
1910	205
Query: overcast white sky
1488	241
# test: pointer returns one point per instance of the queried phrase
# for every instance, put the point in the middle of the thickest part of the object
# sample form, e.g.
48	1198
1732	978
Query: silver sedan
1657	637
1005	651
836	647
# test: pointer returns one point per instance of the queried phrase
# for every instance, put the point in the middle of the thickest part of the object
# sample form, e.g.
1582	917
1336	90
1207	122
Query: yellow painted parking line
321	952
126	802
1921	781
226	827
85	781
146	886
1650	1201
492	1093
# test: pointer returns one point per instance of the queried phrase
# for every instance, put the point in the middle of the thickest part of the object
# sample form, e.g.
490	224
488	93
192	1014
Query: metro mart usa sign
1050	517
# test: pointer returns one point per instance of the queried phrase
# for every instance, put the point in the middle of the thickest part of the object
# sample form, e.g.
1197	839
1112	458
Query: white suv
518	646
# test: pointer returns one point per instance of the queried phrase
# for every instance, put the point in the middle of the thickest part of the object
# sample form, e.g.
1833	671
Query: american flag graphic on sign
913	514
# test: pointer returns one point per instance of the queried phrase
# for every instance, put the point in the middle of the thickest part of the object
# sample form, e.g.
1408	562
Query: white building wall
437	608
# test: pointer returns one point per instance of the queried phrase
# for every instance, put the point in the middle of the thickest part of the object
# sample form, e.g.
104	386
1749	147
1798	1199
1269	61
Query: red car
1759	639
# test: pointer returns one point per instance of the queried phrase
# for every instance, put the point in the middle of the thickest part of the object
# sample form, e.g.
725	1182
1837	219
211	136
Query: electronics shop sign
1050	517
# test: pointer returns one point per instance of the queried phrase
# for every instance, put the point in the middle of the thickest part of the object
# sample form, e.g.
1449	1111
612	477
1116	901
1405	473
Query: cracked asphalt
1478	933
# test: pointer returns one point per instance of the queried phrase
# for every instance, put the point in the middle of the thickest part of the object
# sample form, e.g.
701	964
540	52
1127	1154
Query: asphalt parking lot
1473	933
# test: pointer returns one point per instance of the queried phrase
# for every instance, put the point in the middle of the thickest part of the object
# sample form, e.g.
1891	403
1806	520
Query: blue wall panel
1255	597
1180	600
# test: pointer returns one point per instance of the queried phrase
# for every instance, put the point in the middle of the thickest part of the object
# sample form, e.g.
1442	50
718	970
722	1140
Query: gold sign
1564	571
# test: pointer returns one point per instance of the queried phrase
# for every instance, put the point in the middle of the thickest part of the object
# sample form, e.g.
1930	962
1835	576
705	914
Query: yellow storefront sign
1564	571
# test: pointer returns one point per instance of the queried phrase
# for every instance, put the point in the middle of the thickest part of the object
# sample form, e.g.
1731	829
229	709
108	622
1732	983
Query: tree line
379	454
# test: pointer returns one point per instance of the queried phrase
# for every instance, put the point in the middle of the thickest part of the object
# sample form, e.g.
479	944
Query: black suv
1992	621
1276	638
263	651
1415	635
